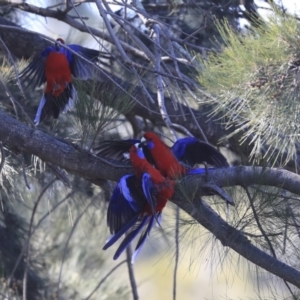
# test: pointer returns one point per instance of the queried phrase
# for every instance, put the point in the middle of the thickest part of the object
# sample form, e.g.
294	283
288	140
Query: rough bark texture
20	137
22	44
233	238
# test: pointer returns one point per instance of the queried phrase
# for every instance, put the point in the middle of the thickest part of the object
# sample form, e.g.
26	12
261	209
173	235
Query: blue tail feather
39	112
115	237
142	240
129	238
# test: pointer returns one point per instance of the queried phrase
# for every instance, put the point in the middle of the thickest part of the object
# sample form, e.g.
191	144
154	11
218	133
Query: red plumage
57	73
164	186
55	66
164	159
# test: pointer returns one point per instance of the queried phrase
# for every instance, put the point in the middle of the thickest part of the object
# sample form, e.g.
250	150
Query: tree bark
20	137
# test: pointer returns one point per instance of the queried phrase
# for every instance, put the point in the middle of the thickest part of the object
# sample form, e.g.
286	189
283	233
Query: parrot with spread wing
55	66
174	162
167	160
185	153
136	203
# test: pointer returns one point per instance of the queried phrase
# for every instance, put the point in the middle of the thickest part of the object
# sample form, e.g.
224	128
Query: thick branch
212	128
247	176
233	238
21	46
20	137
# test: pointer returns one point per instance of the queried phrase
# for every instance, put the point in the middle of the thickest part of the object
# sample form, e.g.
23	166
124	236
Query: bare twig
132	280
2	157
24	171
104	279
26	254
177	209
67	243
111	32
159	81
258	222
32	232
182	129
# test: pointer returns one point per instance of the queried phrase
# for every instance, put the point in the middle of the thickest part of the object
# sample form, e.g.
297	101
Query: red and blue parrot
177	161
55	66
136	202
172	162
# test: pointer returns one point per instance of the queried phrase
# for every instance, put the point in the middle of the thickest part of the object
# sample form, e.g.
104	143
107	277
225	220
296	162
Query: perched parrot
174	162
185	153
136	202
167	160
55	66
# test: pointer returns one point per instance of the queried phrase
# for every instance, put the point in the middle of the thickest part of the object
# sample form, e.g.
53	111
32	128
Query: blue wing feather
34	74
51	106
115	149
121	207
148	187
125	209
126	201
80	68
191	151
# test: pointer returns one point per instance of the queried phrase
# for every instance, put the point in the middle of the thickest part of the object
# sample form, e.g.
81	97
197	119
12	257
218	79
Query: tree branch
20	137
233	238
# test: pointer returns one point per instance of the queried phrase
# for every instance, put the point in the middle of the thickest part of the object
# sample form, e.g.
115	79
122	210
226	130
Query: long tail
129	238
142	240
125	228
51	106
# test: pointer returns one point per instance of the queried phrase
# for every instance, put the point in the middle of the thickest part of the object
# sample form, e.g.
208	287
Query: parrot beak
58	42
143	140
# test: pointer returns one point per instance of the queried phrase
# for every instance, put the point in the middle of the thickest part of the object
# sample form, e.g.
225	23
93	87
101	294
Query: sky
55	29
293	6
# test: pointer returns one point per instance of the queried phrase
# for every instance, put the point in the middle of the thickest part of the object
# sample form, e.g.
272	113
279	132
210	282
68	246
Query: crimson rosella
55	66
188	150
167	162
136	202
185	153
174	162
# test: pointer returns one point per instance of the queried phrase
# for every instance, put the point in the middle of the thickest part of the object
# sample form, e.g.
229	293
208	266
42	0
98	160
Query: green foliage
257	86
